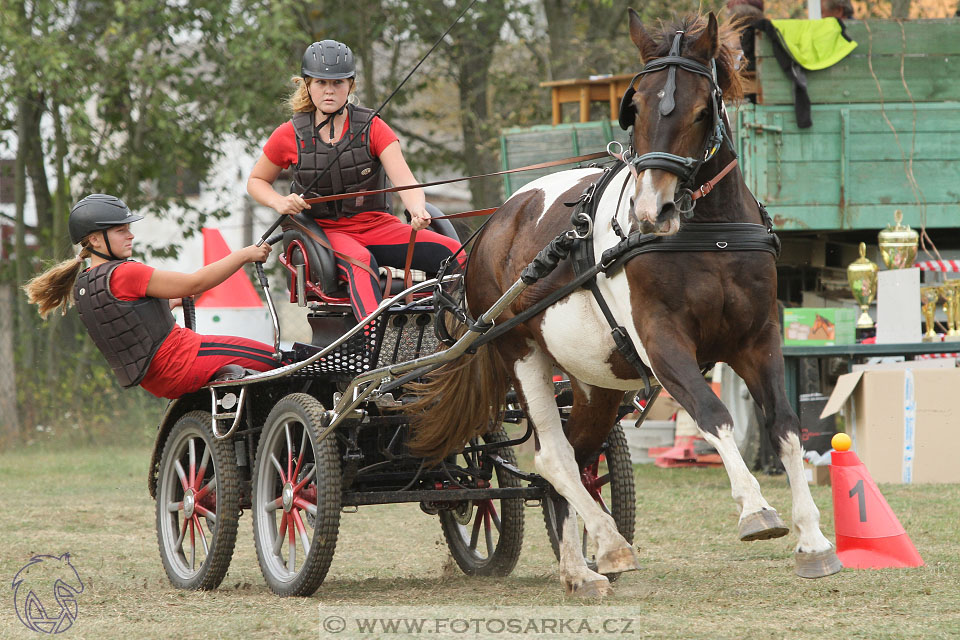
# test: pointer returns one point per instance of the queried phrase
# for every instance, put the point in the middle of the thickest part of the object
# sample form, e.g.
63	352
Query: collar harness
685	168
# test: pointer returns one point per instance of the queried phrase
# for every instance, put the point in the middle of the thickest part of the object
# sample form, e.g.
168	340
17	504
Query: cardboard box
905	424
819	326
819	475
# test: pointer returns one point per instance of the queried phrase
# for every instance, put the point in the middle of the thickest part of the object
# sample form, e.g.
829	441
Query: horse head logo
45	593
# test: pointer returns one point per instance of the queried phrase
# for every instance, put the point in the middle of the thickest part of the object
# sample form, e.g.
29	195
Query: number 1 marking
861	499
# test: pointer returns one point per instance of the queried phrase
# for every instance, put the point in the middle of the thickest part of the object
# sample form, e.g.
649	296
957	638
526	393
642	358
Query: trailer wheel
296	497
485	536
609	479
198	504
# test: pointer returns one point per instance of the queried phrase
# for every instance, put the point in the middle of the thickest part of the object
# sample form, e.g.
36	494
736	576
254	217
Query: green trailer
885	134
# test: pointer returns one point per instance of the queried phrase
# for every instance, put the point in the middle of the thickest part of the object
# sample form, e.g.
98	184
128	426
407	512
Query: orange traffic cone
869	536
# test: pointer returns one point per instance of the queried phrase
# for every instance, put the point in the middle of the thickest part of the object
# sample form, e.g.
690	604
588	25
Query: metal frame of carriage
298	445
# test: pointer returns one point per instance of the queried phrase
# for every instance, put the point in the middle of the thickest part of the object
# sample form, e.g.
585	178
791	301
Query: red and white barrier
944	266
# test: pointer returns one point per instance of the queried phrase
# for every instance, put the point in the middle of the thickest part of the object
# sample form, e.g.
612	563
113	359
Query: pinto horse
682	308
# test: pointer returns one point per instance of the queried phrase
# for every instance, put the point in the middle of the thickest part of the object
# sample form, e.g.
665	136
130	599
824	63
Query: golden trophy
951	297
930	296
862	276
898	244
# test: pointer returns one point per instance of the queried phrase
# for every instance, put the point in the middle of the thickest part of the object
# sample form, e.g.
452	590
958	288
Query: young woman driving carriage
125	305
326	128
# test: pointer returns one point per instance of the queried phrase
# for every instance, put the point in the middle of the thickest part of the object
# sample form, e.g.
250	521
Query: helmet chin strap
106	241
330	119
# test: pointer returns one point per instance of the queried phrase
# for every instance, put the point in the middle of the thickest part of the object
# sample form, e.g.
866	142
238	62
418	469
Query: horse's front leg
556	461
576	576
675	366
761	367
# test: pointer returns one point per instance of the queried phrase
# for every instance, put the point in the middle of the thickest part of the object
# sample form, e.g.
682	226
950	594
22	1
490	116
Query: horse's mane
729	40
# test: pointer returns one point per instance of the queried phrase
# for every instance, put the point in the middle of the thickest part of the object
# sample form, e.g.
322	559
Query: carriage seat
320	263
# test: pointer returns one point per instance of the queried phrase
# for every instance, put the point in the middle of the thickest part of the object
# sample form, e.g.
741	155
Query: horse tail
459	401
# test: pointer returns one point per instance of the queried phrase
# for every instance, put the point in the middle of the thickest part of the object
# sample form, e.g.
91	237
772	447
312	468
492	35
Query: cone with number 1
869	536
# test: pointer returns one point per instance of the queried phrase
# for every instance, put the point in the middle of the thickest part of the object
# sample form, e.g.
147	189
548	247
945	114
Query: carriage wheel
198	504
485	536
296	497
609	479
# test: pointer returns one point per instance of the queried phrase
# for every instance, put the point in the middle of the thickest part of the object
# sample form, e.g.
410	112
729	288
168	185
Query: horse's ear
708	44
641	38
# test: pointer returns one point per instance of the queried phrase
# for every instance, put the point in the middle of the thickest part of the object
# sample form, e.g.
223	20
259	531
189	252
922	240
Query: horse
708	297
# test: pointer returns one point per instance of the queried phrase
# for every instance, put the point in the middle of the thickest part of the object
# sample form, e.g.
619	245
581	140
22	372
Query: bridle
685	168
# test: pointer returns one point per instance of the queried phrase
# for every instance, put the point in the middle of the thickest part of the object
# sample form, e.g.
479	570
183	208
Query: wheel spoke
207	488
488	533
302	530
292	557
182	474
281	534
474	536
193	546
286	430
492	510
192	448
276	464
202	470
306	479
603	505
602	480
309	507
173	507
303	450
183	533
203	537
206	513
273	505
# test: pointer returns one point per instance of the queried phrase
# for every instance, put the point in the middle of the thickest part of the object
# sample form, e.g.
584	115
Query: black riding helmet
99	212
328	59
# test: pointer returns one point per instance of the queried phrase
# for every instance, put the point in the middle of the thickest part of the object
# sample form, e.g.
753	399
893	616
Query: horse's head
674	106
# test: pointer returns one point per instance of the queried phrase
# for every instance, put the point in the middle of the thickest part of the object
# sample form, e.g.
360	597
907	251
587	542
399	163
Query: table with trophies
898	249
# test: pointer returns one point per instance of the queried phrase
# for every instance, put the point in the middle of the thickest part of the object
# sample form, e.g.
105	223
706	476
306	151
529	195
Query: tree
122	98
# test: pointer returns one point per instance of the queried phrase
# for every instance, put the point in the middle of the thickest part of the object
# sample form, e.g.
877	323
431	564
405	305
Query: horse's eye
702	115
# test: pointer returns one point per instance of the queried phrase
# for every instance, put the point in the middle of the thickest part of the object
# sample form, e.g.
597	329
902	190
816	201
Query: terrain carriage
301	444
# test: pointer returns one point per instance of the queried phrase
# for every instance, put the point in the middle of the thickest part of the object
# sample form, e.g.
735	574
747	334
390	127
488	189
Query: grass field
697	581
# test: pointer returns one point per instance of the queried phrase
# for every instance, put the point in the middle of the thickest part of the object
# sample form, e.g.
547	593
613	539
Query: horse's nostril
667	209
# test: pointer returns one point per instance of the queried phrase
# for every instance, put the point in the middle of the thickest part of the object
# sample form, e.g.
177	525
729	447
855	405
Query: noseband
685	168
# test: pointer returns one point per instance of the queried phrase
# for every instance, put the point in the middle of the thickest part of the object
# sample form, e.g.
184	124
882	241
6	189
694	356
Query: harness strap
620	336
708	186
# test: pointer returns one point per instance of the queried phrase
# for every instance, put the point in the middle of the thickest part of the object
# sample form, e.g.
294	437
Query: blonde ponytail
54	287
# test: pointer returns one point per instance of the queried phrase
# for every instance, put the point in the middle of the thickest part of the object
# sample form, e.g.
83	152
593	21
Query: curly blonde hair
300	100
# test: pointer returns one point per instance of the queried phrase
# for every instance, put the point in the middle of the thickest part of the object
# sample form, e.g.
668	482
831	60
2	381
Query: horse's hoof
762	525
618	561
818	564
590	590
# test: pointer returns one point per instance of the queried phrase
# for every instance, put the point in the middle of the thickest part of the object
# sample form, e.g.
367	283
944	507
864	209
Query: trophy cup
951	296
929	296
862	276
898	244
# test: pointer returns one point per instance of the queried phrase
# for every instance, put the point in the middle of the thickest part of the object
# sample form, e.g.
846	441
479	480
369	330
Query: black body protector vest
128	333
356	170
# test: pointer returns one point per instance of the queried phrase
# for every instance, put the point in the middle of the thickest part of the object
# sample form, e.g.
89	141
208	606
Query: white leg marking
745	488
573	566
806	516
555	460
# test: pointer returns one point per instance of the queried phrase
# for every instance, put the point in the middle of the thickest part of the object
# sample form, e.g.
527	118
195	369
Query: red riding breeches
375	238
